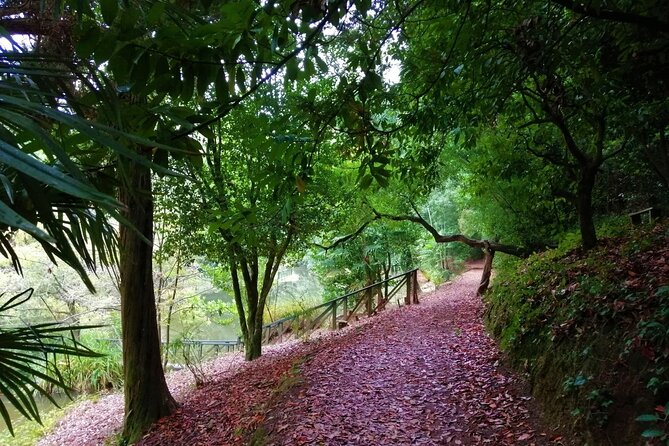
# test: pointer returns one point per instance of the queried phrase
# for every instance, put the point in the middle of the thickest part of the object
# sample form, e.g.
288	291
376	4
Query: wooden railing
198	345
335	313
338	312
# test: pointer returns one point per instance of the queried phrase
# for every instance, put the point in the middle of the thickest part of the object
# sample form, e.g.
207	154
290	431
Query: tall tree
258	196
183	68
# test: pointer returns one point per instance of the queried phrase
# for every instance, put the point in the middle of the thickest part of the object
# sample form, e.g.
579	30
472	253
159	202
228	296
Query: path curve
424	375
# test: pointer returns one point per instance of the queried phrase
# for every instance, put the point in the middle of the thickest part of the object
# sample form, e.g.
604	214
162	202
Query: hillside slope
591	330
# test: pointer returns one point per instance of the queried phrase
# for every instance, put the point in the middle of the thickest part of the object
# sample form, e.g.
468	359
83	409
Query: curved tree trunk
147	397
487	269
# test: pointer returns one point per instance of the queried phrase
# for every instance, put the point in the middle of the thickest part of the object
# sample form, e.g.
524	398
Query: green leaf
30	166
292	69
155	13
9	217
105	48
221	87
652	433
322	65
161	158
646	418
88	42
241	79
109	9
366	181
140	73
9	190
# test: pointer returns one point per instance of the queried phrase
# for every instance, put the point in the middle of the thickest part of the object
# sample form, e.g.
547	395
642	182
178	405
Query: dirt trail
424	375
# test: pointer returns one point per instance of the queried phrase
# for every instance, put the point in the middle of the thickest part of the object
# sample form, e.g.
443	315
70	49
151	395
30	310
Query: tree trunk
253	345
168	328
74	319
147	397
586	221
170	310
487	270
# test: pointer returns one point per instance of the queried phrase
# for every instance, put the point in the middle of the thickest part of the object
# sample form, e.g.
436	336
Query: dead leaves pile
426	375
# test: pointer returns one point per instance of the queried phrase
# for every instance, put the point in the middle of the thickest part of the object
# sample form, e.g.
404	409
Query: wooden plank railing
199	344
338	312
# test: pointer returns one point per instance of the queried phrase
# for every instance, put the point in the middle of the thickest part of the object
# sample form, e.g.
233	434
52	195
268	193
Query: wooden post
414	279
345	309
334	315
407	298
487	269
379	299
368	301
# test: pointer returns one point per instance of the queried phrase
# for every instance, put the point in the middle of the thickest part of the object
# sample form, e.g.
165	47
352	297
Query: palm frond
28	363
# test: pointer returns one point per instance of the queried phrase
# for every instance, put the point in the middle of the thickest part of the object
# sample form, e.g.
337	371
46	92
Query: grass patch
28	433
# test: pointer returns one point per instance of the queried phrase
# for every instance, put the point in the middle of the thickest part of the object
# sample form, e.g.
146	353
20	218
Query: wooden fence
334	314
338	312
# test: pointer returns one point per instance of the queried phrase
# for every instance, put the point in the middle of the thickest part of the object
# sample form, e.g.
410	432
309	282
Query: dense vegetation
591	329
234	138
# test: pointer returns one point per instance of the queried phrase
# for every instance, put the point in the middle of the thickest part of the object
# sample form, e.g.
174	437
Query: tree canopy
261	130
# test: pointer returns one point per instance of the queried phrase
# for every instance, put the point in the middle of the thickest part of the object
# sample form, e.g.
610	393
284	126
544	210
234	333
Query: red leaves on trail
224	412
421	375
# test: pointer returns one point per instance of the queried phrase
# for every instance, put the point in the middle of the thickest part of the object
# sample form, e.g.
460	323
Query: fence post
334	314
345	308
368	301
414	278
409	283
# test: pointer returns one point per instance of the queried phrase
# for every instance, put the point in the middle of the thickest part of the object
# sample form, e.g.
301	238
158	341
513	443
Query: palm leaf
28	361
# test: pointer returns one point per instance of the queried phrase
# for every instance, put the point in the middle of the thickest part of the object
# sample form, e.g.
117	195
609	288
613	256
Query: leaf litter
427	374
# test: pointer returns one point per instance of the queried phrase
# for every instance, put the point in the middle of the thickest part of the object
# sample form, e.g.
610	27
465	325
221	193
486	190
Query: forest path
425	375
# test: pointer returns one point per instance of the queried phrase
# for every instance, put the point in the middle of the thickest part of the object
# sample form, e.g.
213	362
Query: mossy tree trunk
586	222
147	397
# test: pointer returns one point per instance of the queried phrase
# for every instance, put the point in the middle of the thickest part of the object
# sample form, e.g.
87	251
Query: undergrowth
591	329
91	375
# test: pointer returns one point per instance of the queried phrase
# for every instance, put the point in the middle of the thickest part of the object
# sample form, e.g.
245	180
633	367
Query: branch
615	16
348	237
517	251
548	157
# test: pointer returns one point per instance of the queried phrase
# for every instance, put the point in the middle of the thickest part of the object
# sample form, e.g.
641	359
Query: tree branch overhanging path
489	247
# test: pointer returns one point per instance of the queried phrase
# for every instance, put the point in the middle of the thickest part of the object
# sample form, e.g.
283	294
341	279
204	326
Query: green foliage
383	248
660	420
28	361
577	317
94	374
